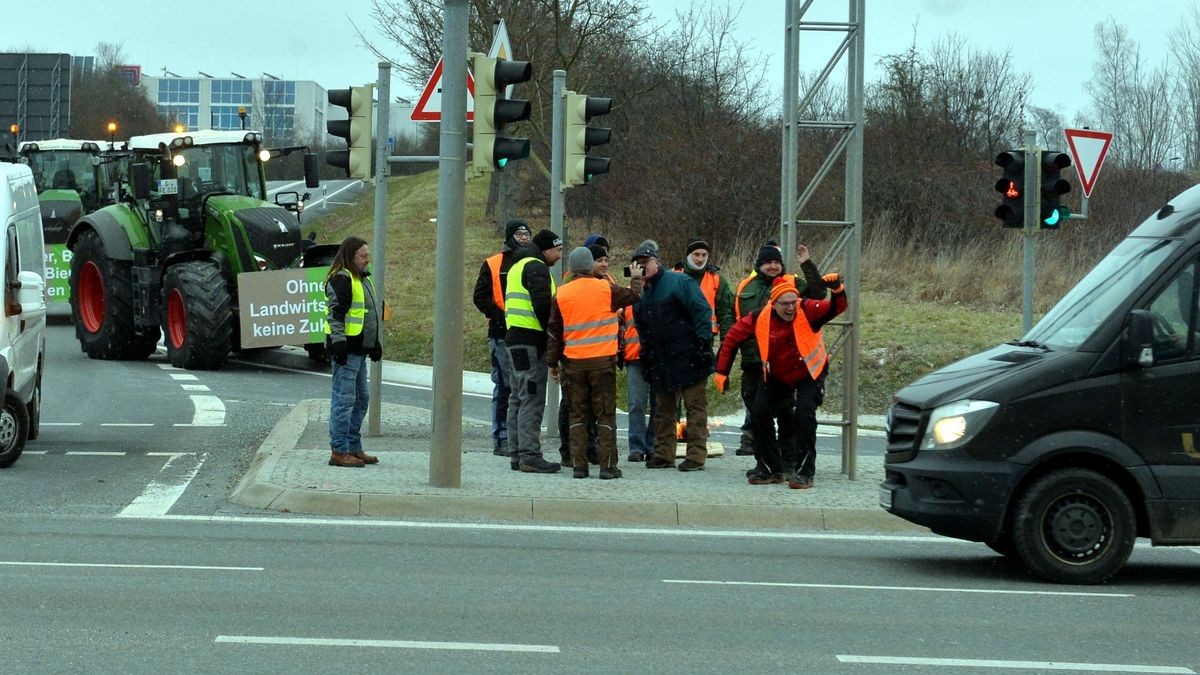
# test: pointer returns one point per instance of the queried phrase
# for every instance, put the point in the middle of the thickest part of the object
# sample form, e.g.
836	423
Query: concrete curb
255	490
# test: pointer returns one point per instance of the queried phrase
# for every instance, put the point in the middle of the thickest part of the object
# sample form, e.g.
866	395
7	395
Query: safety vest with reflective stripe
590	325
493	264
709	283
737	296
633	343
358	306
518	306
808	342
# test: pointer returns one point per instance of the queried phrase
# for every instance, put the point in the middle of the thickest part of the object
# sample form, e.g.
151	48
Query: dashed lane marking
922	589
195	387
390	644
183	377
1011	665
210	411
162	493
216	568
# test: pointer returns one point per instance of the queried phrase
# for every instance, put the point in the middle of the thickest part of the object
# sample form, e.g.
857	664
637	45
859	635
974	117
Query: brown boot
344	459
367	459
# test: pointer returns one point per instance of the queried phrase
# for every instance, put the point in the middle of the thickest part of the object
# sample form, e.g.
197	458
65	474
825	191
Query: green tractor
166	257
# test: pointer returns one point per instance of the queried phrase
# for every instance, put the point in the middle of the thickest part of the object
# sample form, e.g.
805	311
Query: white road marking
1027	665
327	197
570	529
126	424
285	186
168	454
195	387
219	568
167	366
183	376
95	453
162	493
926	589
210	411
391	644
33	452
62	424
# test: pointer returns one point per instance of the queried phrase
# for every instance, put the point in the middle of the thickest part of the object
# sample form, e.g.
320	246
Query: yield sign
1087	151
429	106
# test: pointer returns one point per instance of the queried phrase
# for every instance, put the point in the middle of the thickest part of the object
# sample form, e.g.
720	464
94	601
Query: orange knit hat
783	284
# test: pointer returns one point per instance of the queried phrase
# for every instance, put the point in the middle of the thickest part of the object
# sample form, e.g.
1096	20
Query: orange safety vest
708	286
589	323
633	343
493	264
809	343
737	296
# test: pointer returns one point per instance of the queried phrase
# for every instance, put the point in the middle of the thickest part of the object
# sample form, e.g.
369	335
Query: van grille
904	427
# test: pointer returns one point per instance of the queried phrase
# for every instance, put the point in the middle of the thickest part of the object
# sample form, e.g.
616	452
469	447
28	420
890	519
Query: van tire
1074	526
103	310
14	429
197	316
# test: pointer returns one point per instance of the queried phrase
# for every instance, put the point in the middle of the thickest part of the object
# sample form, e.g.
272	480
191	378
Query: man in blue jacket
674	322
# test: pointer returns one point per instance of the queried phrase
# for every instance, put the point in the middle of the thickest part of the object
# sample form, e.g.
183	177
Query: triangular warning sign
429	106
1088	149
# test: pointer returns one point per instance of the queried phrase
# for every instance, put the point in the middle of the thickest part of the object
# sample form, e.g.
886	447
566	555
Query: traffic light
580	138
1053	187
356	130
493	148
1011	187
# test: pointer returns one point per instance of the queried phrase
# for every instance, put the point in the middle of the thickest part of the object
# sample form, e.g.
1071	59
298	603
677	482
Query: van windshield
1098	294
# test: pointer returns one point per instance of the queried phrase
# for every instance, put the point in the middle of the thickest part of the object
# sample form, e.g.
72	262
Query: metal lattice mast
846	250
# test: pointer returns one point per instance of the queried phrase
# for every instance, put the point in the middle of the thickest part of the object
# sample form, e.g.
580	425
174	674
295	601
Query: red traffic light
1012	192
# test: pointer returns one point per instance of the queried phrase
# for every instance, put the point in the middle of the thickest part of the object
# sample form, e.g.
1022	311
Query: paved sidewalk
290	474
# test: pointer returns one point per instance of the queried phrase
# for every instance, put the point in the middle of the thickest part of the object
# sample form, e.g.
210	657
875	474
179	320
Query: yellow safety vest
358	306
518	306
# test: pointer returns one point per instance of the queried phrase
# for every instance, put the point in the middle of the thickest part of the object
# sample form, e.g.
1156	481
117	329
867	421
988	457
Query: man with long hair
353	333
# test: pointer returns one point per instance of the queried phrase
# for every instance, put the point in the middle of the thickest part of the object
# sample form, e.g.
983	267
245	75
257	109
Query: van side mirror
1139	338
139	176
312	168
29	298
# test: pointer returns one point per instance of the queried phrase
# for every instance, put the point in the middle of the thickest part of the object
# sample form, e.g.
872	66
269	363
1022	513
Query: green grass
901	336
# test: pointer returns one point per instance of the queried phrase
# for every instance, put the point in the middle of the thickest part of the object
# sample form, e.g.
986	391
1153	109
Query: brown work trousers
695	406
591	395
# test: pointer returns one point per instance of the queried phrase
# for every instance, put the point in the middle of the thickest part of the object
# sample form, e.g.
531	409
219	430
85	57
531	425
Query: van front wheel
14	429
1074	526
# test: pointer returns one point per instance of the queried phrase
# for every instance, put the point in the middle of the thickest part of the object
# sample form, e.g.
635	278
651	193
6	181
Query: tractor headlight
954	424
178	160
264	155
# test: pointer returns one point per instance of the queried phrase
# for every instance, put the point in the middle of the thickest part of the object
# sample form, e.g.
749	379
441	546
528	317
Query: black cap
698	244
513	226
598	251
546	240
767	254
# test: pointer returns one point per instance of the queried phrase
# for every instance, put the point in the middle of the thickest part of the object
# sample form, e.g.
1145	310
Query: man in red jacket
788	333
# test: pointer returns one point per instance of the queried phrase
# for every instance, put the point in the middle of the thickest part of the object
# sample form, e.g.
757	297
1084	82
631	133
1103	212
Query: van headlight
955	423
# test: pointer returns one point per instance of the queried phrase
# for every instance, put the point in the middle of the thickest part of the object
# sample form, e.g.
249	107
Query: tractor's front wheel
197	316
102	304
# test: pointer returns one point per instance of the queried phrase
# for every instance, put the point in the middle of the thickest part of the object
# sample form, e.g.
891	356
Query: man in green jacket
715	287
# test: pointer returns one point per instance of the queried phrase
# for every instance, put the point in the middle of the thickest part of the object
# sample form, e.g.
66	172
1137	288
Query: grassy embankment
902	336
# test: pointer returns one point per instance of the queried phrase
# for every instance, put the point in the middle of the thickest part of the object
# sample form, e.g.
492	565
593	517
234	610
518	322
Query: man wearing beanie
528	293
583	340
715	288
674	324
786	333
752	294
489	299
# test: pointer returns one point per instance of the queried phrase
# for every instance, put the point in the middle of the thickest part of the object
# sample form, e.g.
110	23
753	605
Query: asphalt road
315	595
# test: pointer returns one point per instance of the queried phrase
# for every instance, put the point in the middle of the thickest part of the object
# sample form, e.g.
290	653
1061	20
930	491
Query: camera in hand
626	272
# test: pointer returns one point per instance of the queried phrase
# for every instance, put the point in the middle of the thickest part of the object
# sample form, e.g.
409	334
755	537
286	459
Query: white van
23	323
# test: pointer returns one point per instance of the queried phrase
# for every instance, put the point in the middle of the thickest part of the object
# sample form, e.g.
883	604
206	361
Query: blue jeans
348	404
501	389
637	388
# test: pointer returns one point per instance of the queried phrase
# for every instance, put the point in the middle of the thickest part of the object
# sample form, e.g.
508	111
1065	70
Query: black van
1062	448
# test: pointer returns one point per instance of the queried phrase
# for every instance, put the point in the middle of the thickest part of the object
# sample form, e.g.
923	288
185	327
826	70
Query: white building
282	109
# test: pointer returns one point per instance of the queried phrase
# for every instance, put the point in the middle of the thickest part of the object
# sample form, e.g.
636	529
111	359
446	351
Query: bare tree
1049	126
1185	48
1132	100
106	96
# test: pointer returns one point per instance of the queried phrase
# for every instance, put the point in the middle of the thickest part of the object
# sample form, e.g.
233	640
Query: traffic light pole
557	207
383	87
445	455
1033	199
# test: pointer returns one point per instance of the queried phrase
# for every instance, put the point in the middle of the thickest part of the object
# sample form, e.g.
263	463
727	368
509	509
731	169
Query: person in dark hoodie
529	290
674	323
489	299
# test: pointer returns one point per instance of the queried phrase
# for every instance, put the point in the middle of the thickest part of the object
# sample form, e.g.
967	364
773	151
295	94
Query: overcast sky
316	39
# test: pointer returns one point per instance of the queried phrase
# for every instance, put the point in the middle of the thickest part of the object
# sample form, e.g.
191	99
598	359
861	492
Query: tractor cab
72	179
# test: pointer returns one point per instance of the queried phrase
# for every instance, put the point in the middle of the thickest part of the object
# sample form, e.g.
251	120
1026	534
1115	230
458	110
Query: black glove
377	352
704	354
337	352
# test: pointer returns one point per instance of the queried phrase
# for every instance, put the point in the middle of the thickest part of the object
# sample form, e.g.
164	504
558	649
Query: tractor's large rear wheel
102	304
197	316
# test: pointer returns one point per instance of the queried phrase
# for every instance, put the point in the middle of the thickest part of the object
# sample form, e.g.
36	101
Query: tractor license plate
885	498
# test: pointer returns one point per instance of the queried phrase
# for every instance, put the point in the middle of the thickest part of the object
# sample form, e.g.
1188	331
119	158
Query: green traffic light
1052	220
502	162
